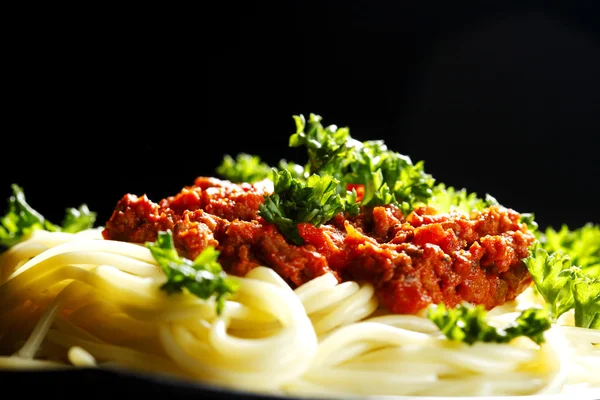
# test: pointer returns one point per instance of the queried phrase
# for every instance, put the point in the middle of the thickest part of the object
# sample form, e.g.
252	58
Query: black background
501	98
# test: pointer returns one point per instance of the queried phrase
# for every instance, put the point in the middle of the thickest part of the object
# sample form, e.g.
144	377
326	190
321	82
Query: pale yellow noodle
80	301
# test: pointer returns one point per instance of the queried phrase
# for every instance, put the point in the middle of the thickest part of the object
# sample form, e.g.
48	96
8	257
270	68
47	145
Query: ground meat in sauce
413	261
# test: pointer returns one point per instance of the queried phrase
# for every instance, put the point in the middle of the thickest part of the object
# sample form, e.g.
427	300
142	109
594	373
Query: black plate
86	383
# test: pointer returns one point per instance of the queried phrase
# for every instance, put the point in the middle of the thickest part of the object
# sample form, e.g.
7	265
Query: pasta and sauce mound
312	281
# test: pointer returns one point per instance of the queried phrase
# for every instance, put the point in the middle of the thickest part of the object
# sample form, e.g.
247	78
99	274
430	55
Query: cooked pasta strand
75	300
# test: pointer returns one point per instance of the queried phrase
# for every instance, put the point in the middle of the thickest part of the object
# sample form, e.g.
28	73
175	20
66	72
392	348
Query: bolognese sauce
412	260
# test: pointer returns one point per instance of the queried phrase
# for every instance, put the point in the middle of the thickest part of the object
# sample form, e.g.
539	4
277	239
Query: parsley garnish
468	324
243	168
202	277
315	201
323	144
447	198
341	174
250	168
582	245
586	299
21	220
387	177
565	286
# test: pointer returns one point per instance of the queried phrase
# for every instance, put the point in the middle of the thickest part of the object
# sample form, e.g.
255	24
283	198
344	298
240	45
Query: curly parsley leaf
202	277
316	201
529	220
21	220
78	219
409	182
581	244
342	174
250	168
586	298
565	286
386	177
468	324
586	292
296	170
447	199
323	144
546	270
243	168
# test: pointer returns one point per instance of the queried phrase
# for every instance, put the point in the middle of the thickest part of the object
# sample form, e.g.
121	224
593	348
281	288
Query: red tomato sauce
415	260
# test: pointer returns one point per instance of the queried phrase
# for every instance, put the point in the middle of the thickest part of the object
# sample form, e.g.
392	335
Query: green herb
582	245
529	220
250	168
296	170
565	286
202	277
337	162
447	198
468	324
78	219
244	168
387	177
323	144
315	201
21	220
546	270
586	299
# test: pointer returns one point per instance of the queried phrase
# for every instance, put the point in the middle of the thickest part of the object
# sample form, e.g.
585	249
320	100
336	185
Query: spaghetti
78	300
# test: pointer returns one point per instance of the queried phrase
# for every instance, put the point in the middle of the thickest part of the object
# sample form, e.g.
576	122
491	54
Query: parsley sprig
565	266
202	277
467	323
388	177
21	220
582	247
447	198
581	244
243	168
315	201
565	286
337	164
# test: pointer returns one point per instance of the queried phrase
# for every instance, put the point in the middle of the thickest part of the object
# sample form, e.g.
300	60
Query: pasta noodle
76	300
